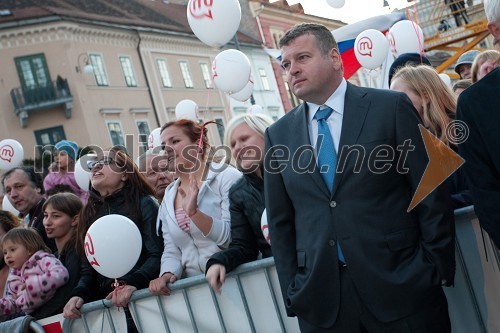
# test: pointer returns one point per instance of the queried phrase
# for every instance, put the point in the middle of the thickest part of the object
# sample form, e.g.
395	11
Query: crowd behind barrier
251	302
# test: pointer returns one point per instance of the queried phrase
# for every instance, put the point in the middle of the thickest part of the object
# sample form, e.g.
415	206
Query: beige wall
62	43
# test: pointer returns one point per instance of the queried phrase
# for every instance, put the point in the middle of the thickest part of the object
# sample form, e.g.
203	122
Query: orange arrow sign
443	161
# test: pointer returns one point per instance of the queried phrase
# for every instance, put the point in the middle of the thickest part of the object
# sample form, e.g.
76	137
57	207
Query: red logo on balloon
6	153
365	46
200	8
214	70
89	250
392	43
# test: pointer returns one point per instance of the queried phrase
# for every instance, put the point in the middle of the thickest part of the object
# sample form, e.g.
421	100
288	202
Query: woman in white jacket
194	214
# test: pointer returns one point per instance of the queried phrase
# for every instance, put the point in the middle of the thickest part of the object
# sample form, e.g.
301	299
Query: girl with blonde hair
435	102
436	105
484	63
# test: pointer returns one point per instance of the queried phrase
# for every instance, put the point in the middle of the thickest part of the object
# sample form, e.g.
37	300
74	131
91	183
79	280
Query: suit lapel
301	150
355	110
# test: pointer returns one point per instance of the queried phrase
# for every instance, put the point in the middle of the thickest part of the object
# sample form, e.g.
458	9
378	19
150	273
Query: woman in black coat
119	188
245	137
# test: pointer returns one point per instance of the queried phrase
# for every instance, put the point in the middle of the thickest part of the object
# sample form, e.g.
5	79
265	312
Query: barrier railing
251	299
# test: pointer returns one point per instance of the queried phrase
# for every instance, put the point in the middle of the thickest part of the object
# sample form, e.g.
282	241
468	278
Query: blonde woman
436	104
245	137
484	63
433	99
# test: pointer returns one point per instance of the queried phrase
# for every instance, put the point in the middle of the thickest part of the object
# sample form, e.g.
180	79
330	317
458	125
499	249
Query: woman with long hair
117	187
61	217
433	99
194	214
436	104
245	137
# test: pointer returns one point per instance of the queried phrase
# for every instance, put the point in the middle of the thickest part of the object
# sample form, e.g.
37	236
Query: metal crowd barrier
251	299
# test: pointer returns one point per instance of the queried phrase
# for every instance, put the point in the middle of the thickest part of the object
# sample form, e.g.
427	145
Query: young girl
35	273
62	173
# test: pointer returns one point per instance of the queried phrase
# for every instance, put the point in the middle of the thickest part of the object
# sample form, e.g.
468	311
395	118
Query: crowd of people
349	255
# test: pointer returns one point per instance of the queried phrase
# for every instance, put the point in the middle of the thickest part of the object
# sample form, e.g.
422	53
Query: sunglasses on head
99	163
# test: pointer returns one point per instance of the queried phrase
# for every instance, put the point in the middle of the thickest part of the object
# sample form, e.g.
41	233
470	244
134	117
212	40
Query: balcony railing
53	95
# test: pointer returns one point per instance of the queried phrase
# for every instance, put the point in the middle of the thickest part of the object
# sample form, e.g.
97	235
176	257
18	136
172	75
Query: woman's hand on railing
72	308
159	286
121	295
216	275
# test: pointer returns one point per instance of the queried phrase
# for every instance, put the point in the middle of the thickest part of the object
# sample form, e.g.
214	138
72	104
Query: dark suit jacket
396	259
478	108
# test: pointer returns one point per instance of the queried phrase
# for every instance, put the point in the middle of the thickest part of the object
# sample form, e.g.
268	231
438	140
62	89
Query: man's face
494	28
311	75
21	192
157	174
464	71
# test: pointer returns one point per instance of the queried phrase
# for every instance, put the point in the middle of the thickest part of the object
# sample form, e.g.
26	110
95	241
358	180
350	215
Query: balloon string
117	285
414	19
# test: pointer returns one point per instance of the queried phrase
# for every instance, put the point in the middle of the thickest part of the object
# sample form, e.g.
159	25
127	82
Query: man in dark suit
349	256
478	109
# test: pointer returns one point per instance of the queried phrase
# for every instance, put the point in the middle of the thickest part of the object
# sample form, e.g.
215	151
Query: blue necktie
327	157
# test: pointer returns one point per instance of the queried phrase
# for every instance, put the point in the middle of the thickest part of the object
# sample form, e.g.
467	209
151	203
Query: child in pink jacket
63	170
34	275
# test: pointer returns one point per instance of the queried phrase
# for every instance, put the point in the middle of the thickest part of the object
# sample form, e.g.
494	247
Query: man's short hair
324	37
34	177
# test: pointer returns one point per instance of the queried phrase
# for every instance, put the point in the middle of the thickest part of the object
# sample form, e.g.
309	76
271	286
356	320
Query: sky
352	11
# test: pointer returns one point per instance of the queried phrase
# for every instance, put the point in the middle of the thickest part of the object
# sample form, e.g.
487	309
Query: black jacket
246	206
147	267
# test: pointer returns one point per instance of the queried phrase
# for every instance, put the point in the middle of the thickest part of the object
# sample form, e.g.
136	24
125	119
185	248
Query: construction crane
450	26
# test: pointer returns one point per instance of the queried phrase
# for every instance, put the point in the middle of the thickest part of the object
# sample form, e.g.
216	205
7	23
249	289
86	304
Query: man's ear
494	28
337	59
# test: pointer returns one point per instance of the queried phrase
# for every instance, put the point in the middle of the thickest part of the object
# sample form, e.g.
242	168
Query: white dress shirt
336	102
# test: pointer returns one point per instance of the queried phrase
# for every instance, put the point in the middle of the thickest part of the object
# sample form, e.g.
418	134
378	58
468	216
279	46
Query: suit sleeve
482	168
435	213
280	219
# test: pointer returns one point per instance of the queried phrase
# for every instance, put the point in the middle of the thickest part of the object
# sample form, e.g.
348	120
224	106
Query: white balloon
154	139
11	154
371	48
245	93
231	71
264	227
187	109
255	109
406	37
214	22
7	205
336	3
82	173
113	245
446	79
